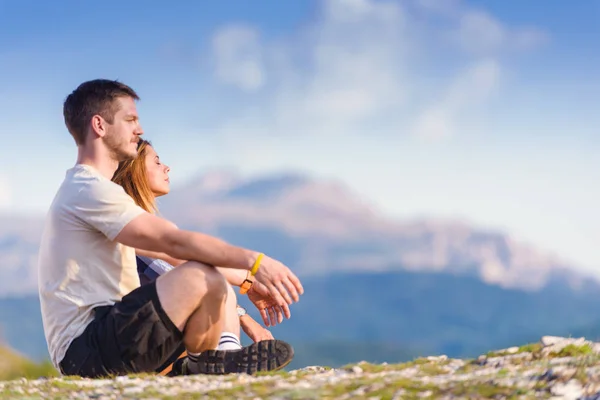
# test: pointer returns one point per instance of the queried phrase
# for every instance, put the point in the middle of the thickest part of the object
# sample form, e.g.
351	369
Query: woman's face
157	173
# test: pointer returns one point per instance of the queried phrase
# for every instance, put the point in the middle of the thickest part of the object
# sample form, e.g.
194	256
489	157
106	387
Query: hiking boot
267	355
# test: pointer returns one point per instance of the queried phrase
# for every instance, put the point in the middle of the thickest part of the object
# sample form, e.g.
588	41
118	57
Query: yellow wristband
256	265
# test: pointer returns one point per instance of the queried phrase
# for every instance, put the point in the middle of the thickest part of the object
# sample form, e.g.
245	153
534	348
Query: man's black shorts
132	336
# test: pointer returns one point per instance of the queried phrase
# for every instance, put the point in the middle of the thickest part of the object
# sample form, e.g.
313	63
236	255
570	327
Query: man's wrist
252	256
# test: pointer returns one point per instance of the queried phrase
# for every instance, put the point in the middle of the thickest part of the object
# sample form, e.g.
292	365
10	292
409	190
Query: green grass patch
411	389
573	350
375	368
281	373
433	369
530	348
485	390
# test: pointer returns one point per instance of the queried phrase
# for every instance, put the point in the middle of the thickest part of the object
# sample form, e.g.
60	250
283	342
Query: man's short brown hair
95	97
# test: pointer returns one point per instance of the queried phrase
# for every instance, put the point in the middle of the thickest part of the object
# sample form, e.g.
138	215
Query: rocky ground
554	368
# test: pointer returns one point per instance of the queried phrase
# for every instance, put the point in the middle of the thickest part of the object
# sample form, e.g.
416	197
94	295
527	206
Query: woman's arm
255	331
163	256
235	277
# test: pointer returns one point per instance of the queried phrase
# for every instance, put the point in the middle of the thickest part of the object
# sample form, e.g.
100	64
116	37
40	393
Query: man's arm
149	232
234	276
152	233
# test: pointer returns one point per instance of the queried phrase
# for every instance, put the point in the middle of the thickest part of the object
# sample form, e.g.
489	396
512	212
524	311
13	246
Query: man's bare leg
193	295
230	337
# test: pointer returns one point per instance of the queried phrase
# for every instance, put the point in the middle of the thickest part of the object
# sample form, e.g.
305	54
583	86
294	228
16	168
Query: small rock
311	368
562	341
571	390
357	370
512	350
592	391
549	375
399	394
550	340
133	389
437	358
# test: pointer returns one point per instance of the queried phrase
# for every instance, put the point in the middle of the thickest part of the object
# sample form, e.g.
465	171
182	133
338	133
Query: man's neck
105	165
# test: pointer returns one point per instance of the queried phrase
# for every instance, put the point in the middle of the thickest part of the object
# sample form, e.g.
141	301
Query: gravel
554	368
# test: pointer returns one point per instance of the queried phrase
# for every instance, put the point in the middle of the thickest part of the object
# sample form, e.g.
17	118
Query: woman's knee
231	296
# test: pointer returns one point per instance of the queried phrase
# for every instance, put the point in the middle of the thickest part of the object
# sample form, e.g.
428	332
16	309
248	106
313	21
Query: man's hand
254	330
281	283
260	296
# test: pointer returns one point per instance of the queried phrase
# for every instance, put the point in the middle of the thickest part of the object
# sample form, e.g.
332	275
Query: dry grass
14	365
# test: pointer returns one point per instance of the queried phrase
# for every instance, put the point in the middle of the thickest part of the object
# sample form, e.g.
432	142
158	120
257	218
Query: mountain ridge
313	210
319	226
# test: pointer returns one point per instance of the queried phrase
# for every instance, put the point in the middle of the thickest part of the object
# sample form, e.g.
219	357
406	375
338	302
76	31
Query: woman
145	178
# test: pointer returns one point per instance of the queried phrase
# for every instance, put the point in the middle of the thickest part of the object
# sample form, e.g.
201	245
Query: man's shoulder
85	181
83	189
90	198
82	174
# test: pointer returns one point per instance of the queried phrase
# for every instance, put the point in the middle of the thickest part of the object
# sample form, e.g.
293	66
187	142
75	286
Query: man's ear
98	125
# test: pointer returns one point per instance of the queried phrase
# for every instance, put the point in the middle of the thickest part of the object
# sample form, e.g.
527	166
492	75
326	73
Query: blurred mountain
19	242
319	226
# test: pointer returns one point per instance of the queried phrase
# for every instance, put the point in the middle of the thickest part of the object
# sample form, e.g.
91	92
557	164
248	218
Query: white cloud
369	67
238	57
470	87
480	33
475	30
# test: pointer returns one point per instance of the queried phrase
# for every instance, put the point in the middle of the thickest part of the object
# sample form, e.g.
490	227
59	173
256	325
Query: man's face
123	135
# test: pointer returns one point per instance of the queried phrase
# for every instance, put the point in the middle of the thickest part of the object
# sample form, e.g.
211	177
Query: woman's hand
254	330
271	312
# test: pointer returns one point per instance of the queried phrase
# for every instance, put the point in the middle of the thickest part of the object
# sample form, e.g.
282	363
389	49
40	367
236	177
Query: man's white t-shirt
80	265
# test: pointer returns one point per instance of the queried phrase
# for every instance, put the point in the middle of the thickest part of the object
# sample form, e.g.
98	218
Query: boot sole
267	355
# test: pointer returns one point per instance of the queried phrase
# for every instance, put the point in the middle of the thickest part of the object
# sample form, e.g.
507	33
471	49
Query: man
97	318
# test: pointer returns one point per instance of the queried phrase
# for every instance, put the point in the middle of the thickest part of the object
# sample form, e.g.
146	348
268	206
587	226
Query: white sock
229	341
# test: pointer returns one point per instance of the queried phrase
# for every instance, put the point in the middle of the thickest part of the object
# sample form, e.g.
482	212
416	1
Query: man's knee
217	284
206	279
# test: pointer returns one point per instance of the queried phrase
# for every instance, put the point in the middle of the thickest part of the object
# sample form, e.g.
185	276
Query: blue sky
481	110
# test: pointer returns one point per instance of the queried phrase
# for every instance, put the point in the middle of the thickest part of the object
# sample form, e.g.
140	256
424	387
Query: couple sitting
99	319
145	178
